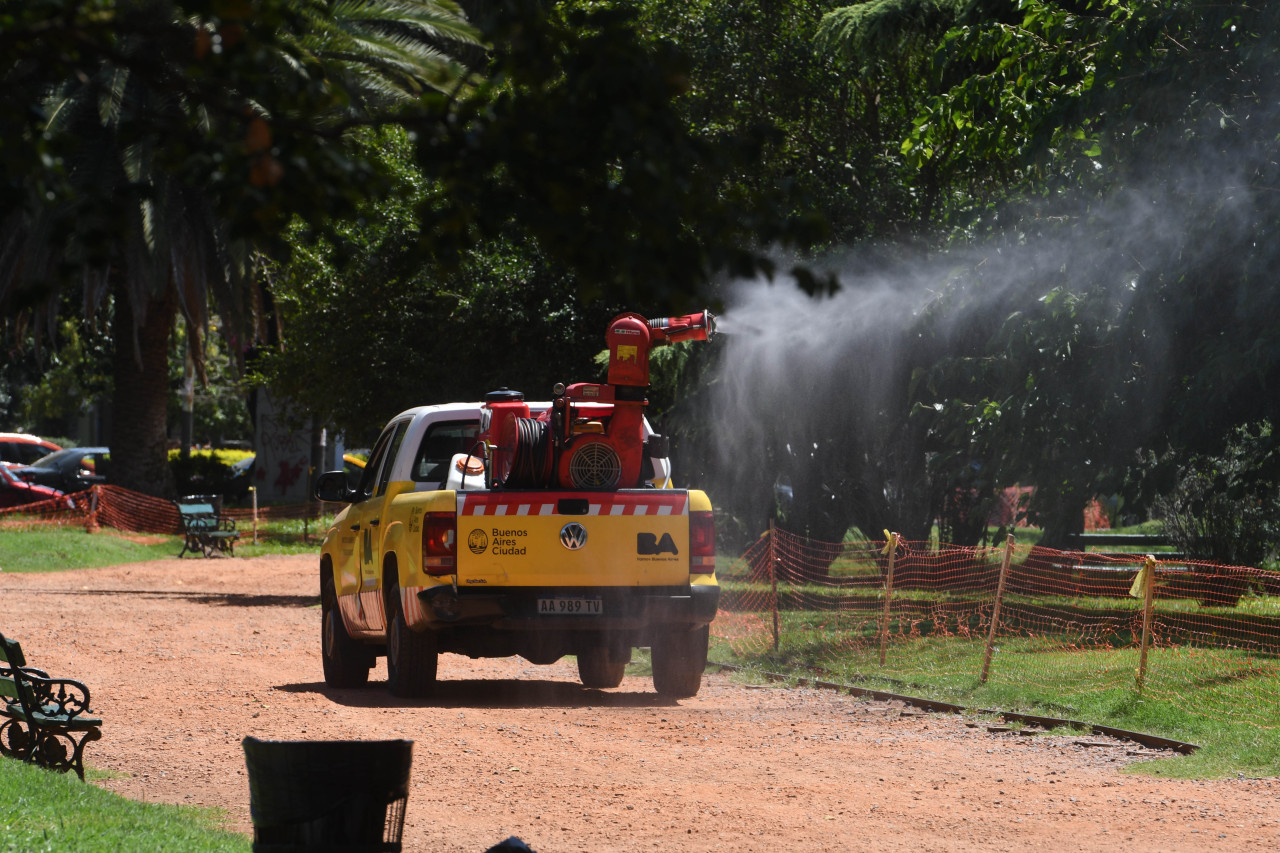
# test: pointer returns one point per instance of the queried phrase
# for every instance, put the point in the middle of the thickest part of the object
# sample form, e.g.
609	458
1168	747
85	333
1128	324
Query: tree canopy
162	148
1051	220
1091	182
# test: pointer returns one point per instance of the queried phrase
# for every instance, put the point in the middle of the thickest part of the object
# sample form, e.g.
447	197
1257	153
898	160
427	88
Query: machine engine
594	435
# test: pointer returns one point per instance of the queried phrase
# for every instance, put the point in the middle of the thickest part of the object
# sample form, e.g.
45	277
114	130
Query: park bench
1126	544
203	527
43	720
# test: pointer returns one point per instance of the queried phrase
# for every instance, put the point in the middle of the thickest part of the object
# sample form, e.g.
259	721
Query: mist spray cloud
819	391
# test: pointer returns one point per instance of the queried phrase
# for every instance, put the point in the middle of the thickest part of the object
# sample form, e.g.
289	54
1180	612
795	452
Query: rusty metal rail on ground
1147	740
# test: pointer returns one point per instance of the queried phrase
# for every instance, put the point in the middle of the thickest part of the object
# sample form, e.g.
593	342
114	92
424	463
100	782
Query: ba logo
477	541
649	544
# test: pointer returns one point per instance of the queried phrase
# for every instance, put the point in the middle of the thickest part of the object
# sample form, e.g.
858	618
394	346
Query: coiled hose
530	457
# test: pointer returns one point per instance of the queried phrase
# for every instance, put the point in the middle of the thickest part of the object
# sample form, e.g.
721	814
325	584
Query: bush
205	472
1226	508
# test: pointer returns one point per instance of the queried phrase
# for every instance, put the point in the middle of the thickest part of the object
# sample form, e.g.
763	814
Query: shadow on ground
488	693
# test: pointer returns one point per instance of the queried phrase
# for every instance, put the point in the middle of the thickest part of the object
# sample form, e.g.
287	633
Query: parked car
15	491
73	469
20	448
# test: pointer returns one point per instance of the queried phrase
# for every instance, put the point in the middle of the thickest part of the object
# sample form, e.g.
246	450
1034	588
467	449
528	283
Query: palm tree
173	175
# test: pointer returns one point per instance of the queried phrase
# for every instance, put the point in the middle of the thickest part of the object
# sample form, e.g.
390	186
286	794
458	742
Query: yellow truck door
365	521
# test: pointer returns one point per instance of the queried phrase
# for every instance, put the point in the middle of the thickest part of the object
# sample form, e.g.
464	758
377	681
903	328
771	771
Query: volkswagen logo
573	536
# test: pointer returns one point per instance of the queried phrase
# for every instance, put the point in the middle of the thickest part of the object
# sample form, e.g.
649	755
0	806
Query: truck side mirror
331	486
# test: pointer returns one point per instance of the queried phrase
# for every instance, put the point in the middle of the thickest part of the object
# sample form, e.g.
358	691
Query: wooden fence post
91	523
995	610
1148	574
773	581
890	548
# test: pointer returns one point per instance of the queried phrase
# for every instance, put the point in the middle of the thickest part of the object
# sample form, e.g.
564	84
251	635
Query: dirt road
187	657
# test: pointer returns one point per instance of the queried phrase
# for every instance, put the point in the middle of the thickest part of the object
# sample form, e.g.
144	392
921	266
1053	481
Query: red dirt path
186	657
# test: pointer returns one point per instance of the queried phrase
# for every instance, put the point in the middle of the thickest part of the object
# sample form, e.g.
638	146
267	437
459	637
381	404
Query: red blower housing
593	436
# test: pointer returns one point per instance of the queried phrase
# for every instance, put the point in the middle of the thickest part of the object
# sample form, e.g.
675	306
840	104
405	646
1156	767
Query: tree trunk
139	422
1060	512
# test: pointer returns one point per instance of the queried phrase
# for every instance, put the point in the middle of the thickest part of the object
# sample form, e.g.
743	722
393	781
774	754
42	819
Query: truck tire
346	662
679	657
601	666
411	656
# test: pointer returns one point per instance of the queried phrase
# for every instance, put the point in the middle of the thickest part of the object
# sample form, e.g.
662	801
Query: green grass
1221	700
51	549
285	536
46	811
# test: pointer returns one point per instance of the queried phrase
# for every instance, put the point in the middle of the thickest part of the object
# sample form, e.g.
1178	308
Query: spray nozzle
700	326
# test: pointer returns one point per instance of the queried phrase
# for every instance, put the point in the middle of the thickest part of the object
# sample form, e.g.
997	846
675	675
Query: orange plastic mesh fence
1069	622
122	509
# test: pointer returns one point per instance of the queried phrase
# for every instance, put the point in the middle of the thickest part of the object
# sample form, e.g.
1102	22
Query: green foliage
206	472
1013	105
253	116
503	314
1033	403
157	146
577	142
1226	507
832	121
1116	159
208	387
1109	318
47	811
52	385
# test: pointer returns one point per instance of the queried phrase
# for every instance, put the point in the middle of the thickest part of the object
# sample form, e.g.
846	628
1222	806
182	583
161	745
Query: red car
15	491
19	448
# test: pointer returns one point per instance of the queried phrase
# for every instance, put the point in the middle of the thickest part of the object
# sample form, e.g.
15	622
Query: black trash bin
319	796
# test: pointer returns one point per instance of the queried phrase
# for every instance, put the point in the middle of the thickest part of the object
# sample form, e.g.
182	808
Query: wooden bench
43	720
203	527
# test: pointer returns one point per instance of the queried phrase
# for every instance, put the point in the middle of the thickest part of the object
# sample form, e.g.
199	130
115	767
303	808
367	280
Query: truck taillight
702	543
439	535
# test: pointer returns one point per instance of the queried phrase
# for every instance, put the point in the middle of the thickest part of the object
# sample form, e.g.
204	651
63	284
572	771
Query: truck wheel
346	662
679	657
411	656
602	667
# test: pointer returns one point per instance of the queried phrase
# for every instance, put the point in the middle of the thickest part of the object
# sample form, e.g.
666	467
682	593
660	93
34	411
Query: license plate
570	607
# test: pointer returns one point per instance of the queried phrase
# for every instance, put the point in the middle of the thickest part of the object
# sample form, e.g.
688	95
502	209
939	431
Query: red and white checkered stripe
414	613
598	503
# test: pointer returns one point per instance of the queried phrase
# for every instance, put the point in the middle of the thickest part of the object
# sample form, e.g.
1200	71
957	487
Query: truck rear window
441	442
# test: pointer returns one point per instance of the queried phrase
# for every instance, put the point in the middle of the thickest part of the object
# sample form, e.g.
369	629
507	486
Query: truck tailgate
637	537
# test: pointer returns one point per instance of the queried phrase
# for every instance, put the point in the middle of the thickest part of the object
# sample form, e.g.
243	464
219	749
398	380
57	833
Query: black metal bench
203	527
43	720
1126	544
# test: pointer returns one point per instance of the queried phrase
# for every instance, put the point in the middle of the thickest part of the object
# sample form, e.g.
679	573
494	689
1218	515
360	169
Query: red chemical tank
593	436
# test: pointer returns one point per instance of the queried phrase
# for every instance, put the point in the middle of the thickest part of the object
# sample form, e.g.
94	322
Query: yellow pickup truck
428	558
505	528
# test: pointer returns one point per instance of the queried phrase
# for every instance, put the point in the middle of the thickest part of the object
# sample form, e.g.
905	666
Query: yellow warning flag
1138	590
890	542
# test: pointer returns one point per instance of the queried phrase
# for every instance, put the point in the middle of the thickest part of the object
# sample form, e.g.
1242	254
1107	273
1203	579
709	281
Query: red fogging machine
593	436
